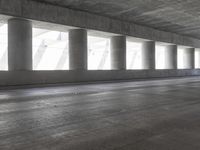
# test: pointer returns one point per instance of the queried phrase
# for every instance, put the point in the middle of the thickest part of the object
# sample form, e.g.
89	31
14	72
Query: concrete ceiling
178	16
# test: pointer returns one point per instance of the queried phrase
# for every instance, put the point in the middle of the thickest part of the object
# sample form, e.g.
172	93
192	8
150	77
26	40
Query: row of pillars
20	50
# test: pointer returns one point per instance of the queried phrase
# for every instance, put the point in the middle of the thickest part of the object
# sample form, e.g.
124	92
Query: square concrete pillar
171	57
78	49
148	55
188	58
118	53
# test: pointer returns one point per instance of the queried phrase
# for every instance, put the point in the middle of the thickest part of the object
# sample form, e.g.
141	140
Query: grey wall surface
54	77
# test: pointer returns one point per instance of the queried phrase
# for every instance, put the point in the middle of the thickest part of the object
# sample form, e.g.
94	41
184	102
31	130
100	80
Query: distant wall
53	77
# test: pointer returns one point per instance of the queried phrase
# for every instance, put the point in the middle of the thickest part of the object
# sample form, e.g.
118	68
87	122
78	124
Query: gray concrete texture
148	115
177	16
19	44
80	76
148	55
171	57
46	12
118	52
78	49
188	57
60	15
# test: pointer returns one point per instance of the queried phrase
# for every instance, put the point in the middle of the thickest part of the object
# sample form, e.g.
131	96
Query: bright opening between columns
181	58
50	50
197	58
98	53
3	46
186	57
160	52
133	55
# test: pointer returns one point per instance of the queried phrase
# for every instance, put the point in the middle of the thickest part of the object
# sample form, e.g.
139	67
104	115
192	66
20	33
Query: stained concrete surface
43	14
142	115
13	78
179	16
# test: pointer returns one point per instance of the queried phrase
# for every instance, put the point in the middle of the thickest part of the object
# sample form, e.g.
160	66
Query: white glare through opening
197	58
133	55
3	47
98	53
160	57
180	58
50	50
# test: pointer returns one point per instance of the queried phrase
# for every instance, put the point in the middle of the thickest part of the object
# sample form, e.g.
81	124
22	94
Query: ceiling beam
59	15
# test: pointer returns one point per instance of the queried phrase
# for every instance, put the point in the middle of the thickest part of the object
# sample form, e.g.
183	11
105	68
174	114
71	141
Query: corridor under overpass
141	115
50	42
99	75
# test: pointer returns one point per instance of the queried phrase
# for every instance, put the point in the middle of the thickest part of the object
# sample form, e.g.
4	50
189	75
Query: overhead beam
55	14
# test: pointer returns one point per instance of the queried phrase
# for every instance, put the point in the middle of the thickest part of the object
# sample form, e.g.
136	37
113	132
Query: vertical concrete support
171	57
188	57
118	53
197	58
148	55
19	44
78	49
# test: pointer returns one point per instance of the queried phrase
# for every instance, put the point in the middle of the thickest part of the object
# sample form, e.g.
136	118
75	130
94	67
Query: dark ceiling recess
178	16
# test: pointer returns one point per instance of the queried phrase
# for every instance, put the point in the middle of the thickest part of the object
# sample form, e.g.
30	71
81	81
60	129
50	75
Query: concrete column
118	53
197	58
78	49
171	57
19	44
148	55
188	58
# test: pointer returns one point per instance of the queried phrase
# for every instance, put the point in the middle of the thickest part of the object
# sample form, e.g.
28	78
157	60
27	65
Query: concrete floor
142	115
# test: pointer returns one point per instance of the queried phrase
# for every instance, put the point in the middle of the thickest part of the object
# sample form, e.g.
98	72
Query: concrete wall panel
77	76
